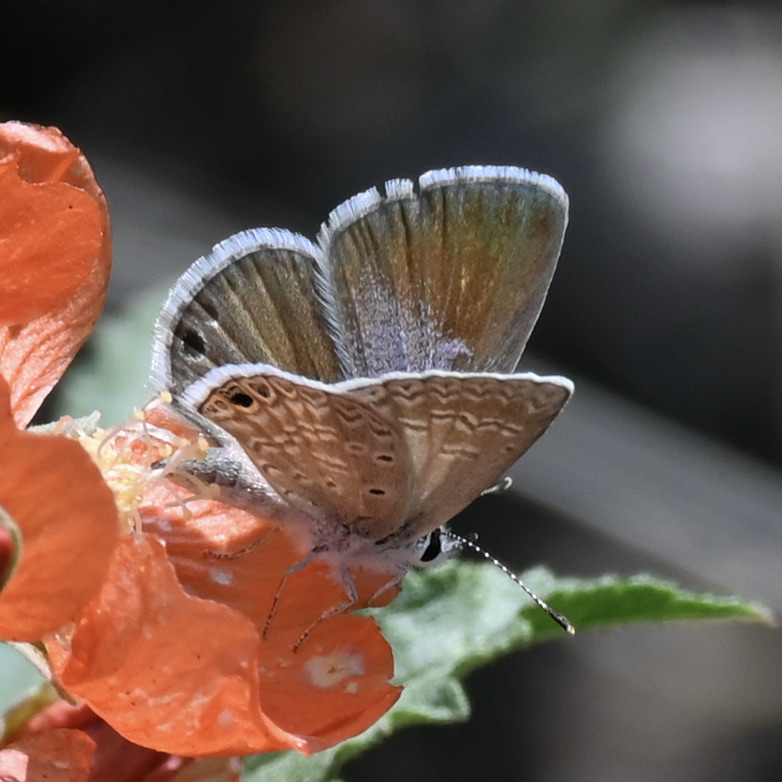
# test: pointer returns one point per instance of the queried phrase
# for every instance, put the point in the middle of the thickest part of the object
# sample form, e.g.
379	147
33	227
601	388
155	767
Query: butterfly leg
392	582
249	548
340	608
278	594
336	610
225	474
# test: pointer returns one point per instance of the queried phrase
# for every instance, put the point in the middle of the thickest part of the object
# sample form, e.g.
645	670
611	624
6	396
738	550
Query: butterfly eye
433	549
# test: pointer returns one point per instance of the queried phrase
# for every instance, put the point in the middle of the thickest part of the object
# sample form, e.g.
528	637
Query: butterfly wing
385	460
253	299
452	277
461	432
331	456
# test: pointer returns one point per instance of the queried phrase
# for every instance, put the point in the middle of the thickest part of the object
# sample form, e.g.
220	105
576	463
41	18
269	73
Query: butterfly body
363	387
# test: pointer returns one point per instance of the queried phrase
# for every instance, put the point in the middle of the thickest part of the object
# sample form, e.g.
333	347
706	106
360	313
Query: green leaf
449	620
19	678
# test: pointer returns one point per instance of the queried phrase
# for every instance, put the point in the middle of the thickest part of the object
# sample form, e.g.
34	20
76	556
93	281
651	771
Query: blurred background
663	121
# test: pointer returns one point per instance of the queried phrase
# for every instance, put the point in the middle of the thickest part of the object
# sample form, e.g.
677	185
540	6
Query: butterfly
361	387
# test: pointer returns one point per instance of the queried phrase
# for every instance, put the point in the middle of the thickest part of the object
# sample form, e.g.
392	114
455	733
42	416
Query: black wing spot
262	389
193	341
379	492
241	399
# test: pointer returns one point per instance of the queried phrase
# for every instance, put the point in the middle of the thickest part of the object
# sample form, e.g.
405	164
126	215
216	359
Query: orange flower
68	524
54	263
66	743
59	755
200	630
55	259
191	645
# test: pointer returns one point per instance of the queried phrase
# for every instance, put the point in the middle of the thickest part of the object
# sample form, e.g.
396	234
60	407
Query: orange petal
55	260
60	755
239	559
167	670
59	714
209	770
51	227
225	554
68	522
336	684
118	760
115	758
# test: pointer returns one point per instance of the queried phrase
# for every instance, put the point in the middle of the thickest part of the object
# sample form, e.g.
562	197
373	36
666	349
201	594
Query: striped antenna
470	543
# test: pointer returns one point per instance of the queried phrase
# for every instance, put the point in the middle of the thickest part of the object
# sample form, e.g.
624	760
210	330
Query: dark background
663	121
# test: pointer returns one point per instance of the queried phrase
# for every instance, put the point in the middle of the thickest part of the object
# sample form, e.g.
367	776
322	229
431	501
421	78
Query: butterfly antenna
469	542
